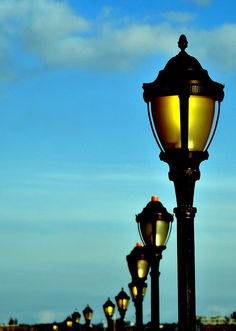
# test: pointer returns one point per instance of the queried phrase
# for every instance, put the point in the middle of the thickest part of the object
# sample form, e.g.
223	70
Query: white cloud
180	17
51	33
216	46
218	311
46	316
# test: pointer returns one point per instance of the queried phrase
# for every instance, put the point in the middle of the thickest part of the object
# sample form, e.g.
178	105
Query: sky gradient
78	160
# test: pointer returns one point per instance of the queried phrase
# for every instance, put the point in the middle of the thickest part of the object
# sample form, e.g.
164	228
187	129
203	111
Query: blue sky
78	159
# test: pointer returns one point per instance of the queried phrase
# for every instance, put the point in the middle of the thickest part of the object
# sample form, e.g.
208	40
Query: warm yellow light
162	230
109	310
55	327
166	118
142	266
201	115
123	303
69	323
161	235
134	291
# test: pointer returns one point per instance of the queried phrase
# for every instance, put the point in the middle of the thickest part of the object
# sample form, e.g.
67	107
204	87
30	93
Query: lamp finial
183	42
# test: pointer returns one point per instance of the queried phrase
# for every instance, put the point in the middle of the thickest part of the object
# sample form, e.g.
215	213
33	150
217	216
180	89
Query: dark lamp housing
122	300
76	317
88	313
138	263
69	322
109	308
182	99
137	291
154	224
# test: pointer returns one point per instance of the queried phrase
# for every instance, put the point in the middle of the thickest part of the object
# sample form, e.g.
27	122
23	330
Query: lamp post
182	114
75	320
139	267
122	302
68	322
88	315
109	308
55	326
154	228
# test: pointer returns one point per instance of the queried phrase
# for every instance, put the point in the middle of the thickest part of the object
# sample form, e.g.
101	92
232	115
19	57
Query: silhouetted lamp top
76	317
69	322
109	308
138	263
154	224
122	300
55	326
182	99
88	313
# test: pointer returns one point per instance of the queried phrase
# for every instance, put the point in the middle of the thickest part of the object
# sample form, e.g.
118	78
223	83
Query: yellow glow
55	327
123	303
69	323
142	268
134	291
109	310
162	229
201	114
166	117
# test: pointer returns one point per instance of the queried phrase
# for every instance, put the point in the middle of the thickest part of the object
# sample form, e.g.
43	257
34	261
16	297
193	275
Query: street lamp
88	315
75	320
182	114
154	224
55	326
139	267
109	308
68	322
122	302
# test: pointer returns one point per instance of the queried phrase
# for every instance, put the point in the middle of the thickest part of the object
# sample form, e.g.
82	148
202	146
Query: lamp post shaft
155	292
139	314
186	269
154	222
110	325
184	172
155	300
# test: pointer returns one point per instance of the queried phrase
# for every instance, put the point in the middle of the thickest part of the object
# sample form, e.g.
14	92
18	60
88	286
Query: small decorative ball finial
183	42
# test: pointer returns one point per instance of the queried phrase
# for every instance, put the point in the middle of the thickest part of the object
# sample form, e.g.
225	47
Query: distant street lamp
182	114
88	315
154	228
75	320
69	322
139	267
55	326
122	302
109	308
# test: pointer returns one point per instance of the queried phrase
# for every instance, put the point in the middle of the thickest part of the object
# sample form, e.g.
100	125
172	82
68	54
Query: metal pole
155	296
110	325
186	269
139	313
184	172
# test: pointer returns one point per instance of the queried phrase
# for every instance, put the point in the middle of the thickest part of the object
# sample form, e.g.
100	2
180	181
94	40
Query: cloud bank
51	34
